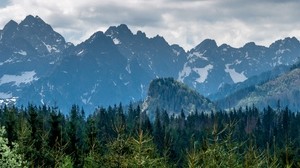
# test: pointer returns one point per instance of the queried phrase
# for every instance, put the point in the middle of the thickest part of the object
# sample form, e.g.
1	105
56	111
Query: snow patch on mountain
237	62
281	51
5	95
80	53
10	60
203	72
21	52
177	53
116	41
279	60
128	68
197	55
86	100
8	101
235	76
42	95
25	78
94	88
51	48
184	73
143	90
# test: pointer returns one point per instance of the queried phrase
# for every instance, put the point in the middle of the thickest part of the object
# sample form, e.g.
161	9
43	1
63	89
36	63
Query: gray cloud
4	3
185	22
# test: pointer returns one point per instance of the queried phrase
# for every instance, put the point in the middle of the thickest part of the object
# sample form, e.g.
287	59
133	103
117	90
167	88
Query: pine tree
10	123
144	152
216	153
73	133
133	119
24	136
158	132
39	156
9	156
119	149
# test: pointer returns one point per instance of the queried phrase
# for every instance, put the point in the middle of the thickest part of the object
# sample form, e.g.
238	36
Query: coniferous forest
41	136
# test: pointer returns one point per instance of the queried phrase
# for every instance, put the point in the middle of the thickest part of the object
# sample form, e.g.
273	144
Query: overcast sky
183	22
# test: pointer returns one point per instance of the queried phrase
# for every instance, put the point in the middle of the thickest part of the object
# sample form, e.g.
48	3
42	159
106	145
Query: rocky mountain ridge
39	66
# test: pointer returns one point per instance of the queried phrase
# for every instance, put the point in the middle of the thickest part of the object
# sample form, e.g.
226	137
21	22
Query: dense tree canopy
37	136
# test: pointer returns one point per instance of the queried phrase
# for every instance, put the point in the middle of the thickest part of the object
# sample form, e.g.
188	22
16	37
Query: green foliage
9	156
67	162
92	160
174	96
144	153
254	159
119	152
216	152
112	137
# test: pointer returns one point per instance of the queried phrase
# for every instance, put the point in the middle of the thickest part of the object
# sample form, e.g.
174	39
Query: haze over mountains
39	66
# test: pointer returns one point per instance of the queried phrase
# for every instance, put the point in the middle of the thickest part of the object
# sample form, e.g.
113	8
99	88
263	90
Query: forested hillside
174	96
41	136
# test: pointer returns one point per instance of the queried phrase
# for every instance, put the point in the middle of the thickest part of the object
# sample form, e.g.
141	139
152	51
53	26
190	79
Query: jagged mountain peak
11	25
96	45
224	47
158	37
139	33
290	40
250	45
98	39
32	19
96	35
286	42
209	44
9	30
160	41
33	37
178	49
121	30
120	59
35	22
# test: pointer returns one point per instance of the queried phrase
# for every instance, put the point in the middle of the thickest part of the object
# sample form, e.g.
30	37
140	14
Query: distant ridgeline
282	90
38	66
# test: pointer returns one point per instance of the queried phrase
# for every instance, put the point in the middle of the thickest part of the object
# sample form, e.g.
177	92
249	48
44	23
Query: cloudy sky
183	22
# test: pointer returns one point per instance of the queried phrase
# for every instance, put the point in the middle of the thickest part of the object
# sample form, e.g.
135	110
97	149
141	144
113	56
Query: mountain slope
154	55
173	96
98	72
29	51
283	89
226	90
92	74
209	66
38	65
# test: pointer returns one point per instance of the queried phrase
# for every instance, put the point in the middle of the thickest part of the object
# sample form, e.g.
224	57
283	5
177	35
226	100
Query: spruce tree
9	156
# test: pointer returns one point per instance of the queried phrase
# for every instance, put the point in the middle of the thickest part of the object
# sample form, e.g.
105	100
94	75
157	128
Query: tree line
41	136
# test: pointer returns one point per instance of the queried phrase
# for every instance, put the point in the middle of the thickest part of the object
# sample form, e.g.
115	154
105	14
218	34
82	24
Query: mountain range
39	66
